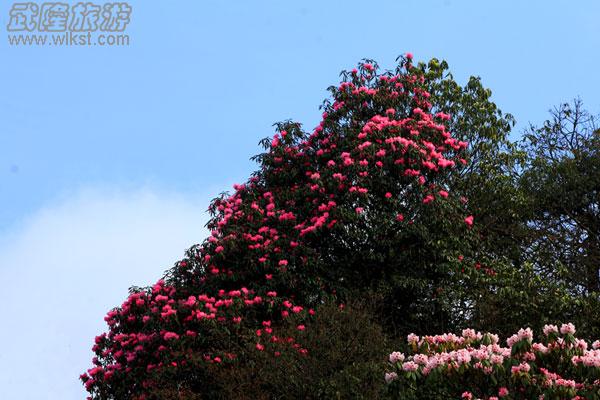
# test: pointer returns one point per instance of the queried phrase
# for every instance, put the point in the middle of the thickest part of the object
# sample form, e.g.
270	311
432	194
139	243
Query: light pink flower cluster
523	334
524	366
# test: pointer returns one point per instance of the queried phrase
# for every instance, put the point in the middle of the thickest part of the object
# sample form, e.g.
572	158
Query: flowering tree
477	366
360	206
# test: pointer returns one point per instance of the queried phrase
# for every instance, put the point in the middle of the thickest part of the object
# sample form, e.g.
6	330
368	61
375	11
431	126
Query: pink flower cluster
544	367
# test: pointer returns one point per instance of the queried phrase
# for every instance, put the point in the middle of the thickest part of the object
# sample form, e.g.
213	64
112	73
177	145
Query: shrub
476	366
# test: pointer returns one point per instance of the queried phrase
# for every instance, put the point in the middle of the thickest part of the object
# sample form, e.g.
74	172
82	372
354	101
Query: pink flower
469	334
409	56
420	359
259	347
469	220
525	334
410	366
412	338
428	199
548	329
300	327
170	336
467	395
502	392
359	210
390	377
523	367
496	359
396	356
567	329
190	301
442	162
364	145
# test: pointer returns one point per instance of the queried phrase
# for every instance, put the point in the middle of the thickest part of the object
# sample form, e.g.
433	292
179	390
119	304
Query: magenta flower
469	220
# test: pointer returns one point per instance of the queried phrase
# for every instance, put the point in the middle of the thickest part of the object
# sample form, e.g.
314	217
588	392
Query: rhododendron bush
479	366
358	204
369	204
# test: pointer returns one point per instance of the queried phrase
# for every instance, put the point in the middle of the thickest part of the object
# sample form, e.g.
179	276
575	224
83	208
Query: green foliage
561	182
487	180
519	297
344	361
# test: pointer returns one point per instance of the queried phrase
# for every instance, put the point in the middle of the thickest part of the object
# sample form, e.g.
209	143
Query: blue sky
109	155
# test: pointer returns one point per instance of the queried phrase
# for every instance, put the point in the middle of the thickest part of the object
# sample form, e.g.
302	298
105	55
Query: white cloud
67	265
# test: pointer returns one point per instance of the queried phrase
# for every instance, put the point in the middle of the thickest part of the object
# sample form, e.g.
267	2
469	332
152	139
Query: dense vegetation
406	211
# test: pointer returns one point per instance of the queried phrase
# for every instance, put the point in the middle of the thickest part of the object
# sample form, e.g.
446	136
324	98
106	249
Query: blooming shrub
358	206
478	366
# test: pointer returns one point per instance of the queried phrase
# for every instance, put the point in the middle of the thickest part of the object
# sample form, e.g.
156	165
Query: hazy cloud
67	265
